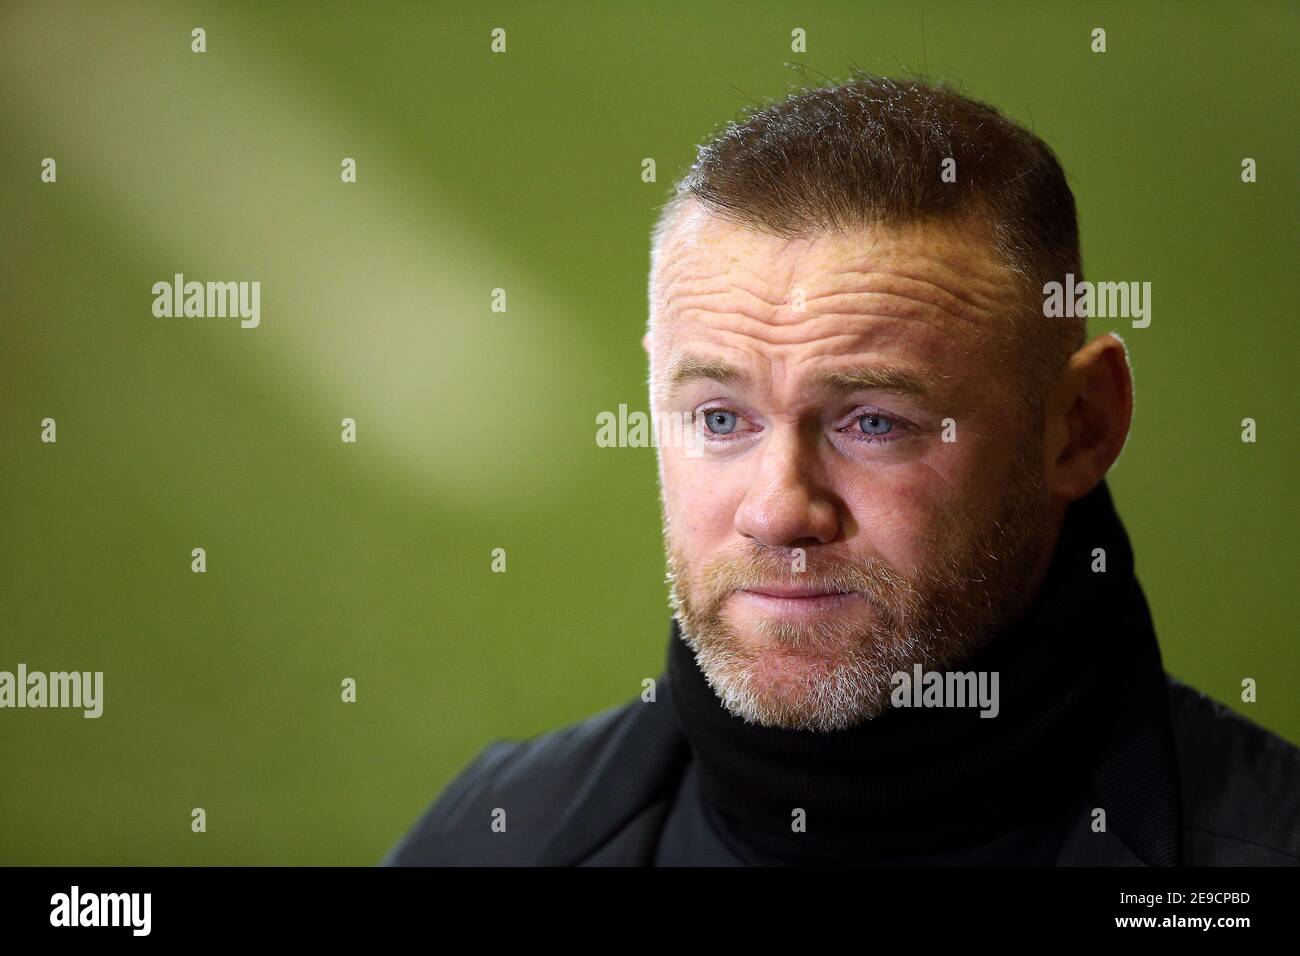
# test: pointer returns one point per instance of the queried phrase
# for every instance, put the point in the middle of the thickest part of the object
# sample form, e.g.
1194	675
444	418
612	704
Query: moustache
773	571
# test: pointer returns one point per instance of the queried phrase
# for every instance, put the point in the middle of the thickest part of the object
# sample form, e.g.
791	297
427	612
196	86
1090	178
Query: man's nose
786	505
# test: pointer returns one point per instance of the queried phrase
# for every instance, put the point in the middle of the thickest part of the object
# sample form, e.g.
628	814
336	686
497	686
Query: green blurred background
476	429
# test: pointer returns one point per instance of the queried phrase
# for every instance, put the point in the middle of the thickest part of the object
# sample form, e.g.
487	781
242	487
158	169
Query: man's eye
720	421
875	425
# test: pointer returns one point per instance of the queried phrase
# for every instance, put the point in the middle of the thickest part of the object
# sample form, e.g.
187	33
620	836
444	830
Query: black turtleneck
1080	723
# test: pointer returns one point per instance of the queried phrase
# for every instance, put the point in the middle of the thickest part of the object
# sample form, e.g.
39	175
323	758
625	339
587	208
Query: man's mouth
790	601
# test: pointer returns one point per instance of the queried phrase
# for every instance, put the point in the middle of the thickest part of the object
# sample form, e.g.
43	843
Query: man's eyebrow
693	368
889	378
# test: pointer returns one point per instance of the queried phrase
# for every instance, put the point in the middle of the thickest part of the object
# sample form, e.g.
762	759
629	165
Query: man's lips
785	601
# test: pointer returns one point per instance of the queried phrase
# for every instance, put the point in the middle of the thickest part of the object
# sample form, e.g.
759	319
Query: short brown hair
871	151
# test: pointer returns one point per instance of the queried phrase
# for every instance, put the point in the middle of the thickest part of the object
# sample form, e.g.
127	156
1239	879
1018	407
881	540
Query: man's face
868	493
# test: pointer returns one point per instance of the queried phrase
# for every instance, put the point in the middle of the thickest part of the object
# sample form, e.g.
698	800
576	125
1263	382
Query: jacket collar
617	815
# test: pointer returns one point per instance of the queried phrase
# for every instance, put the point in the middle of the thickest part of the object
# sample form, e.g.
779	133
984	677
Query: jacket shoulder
525	786
1240	785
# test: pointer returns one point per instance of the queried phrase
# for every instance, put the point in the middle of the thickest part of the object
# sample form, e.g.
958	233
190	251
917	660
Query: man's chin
796	688
796	674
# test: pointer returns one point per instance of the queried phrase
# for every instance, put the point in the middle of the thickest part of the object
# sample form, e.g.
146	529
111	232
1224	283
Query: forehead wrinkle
681	290
894	293
902	286
942	282
930	309
886	321
890	305
719	265
761	311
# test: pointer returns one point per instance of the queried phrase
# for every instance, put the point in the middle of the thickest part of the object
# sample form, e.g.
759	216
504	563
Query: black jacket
1185	780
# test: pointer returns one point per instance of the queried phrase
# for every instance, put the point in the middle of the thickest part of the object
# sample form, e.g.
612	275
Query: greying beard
951	612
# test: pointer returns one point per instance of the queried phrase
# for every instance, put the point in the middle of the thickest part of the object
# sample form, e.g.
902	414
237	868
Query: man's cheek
904	517
701	509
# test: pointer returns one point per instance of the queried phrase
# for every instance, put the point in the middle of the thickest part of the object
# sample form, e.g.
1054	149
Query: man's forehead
708	263
910	308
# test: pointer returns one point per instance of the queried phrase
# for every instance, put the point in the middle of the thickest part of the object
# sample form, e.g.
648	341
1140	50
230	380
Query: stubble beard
843	667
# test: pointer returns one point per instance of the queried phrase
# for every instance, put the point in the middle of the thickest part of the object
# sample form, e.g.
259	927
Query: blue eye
720	422
875	425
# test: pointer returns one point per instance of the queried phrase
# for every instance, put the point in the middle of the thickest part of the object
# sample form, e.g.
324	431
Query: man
906	623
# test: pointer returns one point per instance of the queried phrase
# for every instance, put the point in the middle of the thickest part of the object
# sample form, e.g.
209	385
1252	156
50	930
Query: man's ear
1088	417
645	343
